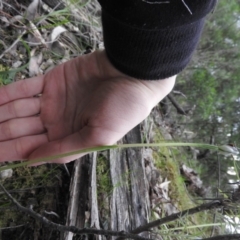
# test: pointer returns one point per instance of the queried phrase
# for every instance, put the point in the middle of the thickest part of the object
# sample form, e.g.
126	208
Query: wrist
153	90
159	89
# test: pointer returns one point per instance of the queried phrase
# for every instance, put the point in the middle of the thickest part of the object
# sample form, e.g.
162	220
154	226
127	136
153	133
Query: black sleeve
149	39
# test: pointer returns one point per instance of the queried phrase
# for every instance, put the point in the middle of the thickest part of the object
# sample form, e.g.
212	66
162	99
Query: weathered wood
78	195
139	186
93	195
130	200
120	214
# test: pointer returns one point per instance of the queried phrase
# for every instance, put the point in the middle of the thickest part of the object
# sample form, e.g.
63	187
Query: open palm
84	103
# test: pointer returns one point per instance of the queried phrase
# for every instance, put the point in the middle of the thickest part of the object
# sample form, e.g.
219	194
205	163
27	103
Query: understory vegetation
33	41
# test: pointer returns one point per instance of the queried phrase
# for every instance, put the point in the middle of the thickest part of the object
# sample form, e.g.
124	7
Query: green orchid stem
50	158
102	148
168	144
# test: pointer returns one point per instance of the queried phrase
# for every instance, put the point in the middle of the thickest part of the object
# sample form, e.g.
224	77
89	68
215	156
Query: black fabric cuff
149	54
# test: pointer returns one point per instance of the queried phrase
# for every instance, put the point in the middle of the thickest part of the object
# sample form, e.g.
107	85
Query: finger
21	127
86	138
19	108
20	148
21	89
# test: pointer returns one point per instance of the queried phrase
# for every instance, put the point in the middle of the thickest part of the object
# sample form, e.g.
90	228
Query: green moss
23	185
103	176
8	75
168	161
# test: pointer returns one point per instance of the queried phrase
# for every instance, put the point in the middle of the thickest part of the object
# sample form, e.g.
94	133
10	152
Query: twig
10	6
180	110
25	189
36	33
73	229
178	215
12	227
45	17
14	43
179	93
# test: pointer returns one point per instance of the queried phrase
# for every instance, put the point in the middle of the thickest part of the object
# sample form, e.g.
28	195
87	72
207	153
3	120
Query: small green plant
4	72
7	75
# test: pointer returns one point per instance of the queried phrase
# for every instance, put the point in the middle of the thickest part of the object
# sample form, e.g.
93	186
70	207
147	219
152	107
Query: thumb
85	139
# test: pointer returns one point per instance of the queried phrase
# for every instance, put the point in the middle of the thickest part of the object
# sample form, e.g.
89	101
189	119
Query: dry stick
45	17
73	229
178	215
24	189
13	227
14	43
176	105
10	6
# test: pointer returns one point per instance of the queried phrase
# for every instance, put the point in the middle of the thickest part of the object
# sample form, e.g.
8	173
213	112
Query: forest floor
33	39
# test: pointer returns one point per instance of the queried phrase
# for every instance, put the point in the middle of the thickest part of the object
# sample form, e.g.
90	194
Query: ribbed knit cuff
149	54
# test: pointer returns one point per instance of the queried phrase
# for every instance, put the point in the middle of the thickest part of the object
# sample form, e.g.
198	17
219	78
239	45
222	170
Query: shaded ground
49	198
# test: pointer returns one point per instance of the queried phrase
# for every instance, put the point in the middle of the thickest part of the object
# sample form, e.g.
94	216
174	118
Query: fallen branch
73	229
206	206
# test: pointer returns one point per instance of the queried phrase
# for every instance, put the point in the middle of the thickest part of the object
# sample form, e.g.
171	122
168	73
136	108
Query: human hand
85	103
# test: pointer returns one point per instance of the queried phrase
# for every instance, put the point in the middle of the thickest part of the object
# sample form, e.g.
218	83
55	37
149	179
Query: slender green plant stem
102	148
50	158
168	144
